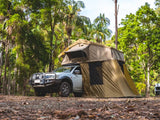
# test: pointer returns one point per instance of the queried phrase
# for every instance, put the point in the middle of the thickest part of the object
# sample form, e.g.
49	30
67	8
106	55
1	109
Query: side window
77	71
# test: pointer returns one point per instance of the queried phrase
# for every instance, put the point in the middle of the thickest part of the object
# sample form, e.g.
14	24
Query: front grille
36	83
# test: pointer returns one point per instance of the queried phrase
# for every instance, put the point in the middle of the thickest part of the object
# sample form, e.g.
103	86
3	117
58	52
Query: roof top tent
103	69
86	51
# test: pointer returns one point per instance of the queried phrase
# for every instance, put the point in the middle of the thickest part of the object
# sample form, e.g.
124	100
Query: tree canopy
139	39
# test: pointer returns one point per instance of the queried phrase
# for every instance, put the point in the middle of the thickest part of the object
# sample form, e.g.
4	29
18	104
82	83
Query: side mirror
77	71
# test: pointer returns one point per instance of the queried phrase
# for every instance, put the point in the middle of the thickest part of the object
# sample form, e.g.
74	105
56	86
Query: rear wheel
65	89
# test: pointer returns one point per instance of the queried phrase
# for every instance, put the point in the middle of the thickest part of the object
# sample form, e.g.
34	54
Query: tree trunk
69	32
15	76
52	26
147	83
116	26
51	65
9	81
0	78
1	66
69	41
51	53
17	88
55	47
24	88
5	81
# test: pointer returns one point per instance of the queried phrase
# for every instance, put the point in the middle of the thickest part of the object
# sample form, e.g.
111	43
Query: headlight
50	76
40	76
34	77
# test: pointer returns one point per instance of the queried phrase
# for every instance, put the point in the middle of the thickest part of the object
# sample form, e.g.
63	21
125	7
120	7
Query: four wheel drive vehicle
157	89
64	80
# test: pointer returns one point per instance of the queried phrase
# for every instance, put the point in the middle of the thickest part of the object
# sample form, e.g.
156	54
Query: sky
94	7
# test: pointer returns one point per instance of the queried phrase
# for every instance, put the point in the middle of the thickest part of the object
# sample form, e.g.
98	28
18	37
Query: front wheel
65	89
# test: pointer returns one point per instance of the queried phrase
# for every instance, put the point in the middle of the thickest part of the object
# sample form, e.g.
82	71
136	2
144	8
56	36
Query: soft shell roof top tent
86	51
103	70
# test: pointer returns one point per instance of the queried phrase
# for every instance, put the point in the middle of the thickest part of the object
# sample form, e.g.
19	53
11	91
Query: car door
77	78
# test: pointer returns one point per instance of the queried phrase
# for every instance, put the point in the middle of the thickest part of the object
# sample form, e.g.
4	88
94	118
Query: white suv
64	80
157	89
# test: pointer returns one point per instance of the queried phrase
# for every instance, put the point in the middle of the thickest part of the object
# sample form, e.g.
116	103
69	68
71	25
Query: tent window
121	65
77	54
95	70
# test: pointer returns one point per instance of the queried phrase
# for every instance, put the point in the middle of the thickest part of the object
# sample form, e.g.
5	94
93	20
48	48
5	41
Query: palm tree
82	28
100	28
72	17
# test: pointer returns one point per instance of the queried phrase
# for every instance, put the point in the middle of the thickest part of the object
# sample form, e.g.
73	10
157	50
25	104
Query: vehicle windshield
65	69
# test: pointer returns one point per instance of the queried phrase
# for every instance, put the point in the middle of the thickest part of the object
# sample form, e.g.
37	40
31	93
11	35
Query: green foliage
138	38
157	3
4	7
140	87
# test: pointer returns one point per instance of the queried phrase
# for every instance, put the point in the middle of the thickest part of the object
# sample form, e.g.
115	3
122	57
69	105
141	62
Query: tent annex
103	69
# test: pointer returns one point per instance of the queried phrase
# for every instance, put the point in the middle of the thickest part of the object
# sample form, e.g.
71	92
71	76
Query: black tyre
39	92
78	94
65	89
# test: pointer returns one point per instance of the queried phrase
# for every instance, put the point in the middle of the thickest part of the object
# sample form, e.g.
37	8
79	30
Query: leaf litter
70	108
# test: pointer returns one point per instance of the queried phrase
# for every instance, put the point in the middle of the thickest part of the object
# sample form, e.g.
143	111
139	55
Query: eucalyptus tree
138	38
11	15
51	15
44	16
6	30
100	28
18	46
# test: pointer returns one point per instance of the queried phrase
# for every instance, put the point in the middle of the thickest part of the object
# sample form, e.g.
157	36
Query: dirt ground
70	108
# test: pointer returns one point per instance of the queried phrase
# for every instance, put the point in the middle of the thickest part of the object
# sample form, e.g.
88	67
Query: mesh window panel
95	70
77	54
